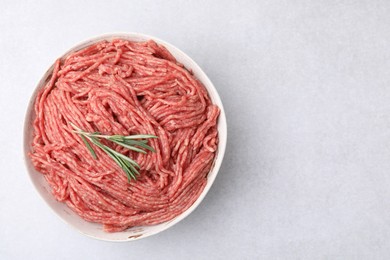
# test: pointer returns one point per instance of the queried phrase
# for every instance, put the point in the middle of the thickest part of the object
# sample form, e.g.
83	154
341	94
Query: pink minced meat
123	87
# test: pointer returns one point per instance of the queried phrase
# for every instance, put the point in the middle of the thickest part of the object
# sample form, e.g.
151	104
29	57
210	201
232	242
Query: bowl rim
222	126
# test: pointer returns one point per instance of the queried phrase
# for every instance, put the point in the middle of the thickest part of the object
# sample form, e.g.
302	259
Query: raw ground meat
123	87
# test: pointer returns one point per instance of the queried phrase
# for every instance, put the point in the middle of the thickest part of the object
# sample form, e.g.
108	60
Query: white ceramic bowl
95	230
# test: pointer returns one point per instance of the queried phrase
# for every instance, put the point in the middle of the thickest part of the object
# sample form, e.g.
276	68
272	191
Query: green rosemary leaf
119	138
126	169
88	146
141	144
124	157
130	147
130	137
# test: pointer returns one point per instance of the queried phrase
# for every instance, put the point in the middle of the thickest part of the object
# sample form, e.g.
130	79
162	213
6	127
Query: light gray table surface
306	89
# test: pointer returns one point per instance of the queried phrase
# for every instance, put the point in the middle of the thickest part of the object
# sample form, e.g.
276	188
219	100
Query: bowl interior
93	229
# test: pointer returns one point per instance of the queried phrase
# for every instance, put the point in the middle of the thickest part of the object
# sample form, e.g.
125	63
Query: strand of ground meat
123	87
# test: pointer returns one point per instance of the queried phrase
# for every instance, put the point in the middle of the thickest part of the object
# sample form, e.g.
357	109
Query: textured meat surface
123	87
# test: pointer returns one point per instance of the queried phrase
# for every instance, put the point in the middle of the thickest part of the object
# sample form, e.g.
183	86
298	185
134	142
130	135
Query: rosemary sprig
130	142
